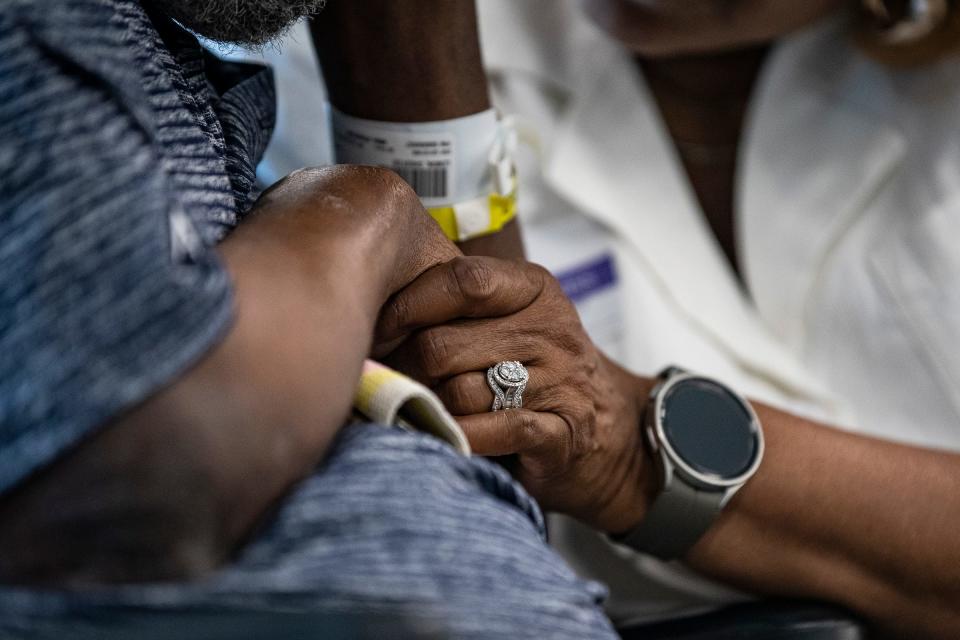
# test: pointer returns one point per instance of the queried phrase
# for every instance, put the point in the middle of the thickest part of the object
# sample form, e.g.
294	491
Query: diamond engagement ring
507	380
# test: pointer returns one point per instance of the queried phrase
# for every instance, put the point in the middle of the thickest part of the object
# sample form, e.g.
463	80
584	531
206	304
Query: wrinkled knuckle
540	273
570	342
457	396
432	352
569	448
384	182
590	366
539	278
400	188
562	443
398	313
529	433
582	380
475	279
587	420
581	420
385	177
355	172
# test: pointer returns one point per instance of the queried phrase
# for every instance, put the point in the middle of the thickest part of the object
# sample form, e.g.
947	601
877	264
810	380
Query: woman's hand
577	439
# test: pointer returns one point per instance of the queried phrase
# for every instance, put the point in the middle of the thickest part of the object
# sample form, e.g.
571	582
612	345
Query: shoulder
68	91
79	46
68	15
64	28
71	26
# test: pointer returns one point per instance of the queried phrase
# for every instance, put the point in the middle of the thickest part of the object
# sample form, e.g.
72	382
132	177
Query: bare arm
830	515
169	489
408	61
855	520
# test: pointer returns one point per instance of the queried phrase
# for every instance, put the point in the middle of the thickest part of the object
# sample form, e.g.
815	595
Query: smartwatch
707	442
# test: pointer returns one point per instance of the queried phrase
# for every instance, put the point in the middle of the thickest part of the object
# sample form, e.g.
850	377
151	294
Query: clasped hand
575	444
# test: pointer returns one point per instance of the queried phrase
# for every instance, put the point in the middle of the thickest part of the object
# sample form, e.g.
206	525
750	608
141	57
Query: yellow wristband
474	218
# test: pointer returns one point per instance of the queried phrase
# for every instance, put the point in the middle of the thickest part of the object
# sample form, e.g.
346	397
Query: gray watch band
678	517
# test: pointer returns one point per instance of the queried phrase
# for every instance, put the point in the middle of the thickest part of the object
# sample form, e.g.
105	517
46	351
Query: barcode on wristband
427	182
426	160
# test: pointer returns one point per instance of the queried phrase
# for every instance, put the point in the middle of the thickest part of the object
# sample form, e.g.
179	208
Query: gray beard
244	22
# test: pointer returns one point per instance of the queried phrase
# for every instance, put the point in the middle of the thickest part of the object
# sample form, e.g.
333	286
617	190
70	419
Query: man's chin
243	22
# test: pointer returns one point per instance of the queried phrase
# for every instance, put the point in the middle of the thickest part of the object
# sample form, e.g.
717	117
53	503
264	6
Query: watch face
709	428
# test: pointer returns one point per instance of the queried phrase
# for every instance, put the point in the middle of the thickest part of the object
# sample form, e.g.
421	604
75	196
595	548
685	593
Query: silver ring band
507	380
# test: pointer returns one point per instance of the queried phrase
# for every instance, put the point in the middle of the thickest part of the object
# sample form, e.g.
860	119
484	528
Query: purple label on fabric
585	280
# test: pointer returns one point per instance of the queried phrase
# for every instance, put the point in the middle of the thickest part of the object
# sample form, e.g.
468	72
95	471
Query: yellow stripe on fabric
371	382
387	397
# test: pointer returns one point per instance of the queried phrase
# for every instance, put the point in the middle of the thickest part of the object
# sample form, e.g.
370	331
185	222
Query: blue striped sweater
126	153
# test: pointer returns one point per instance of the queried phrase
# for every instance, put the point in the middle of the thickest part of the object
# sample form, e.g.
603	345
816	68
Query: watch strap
677	519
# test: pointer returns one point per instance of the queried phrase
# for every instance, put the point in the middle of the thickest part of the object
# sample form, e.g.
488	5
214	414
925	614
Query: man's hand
391	234
168	490
577	439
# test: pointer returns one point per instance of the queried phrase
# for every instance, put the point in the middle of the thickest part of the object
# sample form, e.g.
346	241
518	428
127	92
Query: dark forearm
834	516
506	243
839	517
169	489
412	61
300	338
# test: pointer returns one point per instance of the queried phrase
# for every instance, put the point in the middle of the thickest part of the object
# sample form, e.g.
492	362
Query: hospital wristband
445	161
463	169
